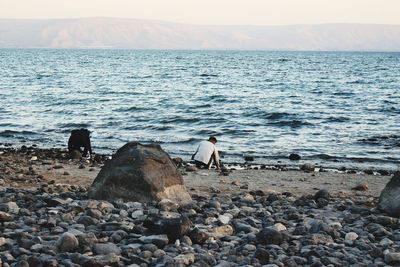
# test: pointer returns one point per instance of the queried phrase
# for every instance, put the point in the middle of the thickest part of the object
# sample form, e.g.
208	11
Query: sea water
334	109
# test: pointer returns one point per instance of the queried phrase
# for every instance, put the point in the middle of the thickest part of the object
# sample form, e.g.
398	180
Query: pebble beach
245	217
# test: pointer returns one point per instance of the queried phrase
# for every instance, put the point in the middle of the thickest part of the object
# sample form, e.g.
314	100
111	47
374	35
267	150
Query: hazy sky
252	12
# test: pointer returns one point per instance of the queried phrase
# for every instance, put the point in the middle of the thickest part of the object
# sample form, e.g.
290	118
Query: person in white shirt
206	153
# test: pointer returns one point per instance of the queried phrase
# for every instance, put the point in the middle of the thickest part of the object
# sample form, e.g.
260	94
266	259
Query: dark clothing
78	139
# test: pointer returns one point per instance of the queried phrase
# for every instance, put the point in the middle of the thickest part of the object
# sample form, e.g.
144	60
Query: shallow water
335	109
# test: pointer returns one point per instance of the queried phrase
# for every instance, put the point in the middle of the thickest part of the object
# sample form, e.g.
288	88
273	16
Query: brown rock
140	173
360	187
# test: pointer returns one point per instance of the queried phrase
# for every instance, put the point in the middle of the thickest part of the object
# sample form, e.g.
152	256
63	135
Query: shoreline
33	166
346	166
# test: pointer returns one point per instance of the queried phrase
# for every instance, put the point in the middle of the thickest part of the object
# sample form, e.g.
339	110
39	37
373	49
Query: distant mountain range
148	34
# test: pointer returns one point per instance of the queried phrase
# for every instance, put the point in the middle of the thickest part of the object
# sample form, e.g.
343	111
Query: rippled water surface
336	109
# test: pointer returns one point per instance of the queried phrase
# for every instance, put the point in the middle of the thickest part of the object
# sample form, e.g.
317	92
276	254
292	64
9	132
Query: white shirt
205	151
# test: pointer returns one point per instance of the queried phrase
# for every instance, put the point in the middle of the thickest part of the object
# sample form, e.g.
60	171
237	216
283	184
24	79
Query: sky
215	12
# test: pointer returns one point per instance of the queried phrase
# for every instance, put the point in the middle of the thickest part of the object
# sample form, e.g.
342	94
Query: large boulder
389	200
141	173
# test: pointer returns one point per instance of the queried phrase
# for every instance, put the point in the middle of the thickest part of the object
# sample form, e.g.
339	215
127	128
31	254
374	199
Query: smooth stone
392	257
5	217
106	248
308	167
10	207
224	219
3	241
351	236
67	242
221	231
159	253
185	259
269	236
389	200
158	240
279	227
167	205
386	242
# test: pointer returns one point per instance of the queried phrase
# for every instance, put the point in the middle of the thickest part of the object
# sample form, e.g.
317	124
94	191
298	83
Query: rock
351	236
360	187
308	167
222	231
383	172
191	168
3	241
224	219
5	217
322	194
178	161
389	200
392	257
10	207
167	205
185	259
294	156
279	227
140	173
269	236
198	236
158	240
174	228
67	242
106	248
262	255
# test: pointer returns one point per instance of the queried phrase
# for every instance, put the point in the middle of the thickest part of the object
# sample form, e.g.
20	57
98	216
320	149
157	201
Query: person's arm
216	159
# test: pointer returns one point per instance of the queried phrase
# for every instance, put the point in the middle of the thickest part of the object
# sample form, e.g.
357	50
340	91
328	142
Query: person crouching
206	153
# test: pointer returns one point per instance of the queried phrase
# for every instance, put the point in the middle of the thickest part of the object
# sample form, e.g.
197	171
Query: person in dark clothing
80	139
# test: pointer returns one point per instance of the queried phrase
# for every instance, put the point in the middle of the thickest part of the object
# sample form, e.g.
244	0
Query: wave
13	133
72	125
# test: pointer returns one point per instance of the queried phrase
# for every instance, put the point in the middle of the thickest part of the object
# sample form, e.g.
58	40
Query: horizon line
194	24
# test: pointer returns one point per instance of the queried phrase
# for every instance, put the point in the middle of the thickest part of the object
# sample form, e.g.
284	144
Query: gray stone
269	236
392	257
67	242
389	200
106	248
158	240
140	173
308	167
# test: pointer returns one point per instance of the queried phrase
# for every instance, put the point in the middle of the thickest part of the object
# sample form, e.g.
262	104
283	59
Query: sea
334	109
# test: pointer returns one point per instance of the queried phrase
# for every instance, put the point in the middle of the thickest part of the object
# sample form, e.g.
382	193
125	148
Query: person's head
212	139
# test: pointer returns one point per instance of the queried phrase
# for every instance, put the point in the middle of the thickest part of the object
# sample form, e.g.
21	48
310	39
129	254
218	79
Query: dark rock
249	158
67	242
5	217
360	187
178	161
262	255
323	193
369	172
140	173
198	236
389	200
191	168
383	172
174	228
308	167
269	236
294	156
